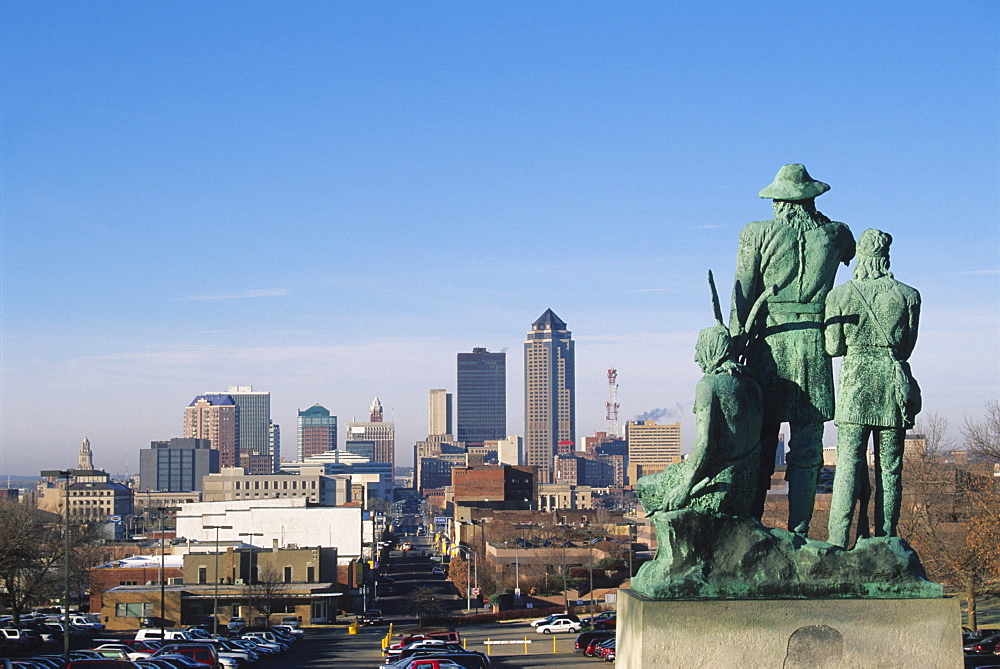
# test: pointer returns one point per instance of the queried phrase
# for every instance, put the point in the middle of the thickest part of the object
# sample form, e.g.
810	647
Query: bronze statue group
773	365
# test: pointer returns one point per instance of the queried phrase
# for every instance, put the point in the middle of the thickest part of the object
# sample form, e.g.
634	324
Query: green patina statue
797	252
706	510
872	322
720	475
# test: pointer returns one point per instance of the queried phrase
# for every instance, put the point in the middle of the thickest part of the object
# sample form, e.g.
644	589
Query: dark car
987	646
585	639
371	617
102	664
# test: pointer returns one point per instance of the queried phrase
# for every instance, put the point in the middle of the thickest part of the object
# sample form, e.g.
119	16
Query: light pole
468	584
65	475
215	599
252	570
163	571
590	545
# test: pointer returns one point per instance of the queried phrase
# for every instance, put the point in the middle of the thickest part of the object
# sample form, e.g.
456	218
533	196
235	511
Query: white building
285	523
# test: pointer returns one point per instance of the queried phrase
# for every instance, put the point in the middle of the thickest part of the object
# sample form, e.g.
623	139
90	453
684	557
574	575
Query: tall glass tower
316	432
549	393
481	396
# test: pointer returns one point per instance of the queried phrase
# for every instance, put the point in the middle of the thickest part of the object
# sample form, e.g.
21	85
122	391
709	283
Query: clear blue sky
330	200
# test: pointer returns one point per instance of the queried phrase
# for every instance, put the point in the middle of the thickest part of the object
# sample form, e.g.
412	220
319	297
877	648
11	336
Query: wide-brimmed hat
794	183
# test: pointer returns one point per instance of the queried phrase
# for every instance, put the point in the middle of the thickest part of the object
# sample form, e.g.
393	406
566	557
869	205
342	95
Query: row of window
284	485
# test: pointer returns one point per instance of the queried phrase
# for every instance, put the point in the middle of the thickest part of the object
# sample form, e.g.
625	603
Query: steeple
376	411
86	460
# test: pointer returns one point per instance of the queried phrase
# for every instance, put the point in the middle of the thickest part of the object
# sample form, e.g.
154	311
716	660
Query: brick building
495	486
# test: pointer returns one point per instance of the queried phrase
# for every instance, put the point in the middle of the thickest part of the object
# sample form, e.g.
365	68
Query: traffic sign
517	592
476	591
115	519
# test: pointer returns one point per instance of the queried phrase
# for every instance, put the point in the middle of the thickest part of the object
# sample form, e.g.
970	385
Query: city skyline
329	201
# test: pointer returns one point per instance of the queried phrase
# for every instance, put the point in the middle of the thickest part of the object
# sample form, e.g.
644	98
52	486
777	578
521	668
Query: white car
558	625
554	616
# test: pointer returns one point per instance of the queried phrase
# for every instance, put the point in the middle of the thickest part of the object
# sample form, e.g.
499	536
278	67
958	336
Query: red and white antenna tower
612	404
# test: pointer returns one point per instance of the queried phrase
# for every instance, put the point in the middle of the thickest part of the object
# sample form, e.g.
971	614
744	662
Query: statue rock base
814	633
704	555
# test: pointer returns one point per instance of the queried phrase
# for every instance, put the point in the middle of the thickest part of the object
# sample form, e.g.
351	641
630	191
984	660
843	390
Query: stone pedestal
788	633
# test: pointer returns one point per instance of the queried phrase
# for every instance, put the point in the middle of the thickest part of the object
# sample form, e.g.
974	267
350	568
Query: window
133	610
203	575
310	574
288	574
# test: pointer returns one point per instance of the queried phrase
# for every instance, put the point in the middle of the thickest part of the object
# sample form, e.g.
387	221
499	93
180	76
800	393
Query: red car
595	643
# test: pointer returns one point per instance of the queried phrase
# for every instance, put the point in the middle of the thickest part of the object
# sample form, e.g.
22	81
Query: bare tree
982	437
31	556
264	592
425	600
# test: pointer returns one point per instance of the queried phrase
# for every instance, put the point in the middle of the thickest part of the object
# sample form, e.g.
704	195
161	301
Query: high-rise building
651	447
215	416
254	419
256	434
316	432
481	396
549	396
438	411
382	433
177	465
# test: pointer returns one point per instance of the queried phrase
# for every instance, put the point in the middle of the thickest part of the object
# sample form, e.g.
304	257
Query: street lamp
215	602
65	475
163	572
468	588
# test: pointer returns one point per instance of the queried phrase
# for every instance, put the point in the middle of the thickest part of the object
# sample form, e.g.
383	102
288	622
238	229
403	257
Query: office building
316	432
177	465
364	449
215	416
549	402
495	486
438	411
382	433
510	451
651	447
255	433
481	395
235	483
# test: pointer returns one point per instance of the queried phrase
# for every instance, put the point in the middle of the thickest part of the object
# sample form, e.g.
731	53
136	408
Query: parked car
987	646
586	639
201	653
102	664
606	650
236	624
558	625
591	620
555	616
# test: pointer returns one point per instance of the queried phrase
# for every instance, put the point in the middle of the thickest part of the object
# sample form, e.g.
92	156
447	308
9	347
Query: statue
720	475
872	322
798	252
706	509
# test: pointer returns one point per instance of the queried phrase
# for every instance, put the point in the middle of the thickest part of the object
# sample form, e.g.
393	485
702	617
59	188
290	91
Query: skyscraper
215	417
481	396
438	412
549	395
316	432
383	434
255	431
